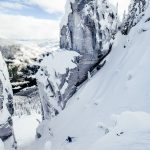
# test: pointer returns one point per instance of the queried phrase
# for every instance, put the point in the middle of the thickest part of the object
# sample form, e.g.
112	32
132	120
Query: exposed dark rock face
6	107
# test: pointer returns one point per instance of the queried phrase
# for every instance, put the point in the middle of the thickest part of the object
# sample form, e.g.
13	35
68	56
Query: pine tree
105	12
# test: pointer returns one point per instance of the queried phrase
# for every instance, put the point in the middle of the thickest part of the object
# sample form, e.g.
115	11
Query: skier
69	139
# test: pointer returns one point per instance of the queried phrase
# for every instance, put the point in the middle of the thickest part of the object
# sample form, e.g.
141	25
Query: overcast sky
34	19
30	19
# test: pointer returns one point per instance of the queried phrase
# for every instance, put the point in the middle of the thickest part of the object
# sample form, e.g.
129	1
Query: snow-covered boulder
6	104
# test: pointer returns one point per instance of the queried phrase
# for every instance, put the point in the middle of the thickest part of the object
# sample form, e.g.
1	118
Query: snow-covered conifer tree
136	9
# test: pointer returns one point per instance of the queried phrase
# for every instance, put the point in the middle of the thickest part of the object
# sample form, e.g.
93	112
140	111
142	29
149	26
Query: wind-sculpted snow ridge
56	79
6	108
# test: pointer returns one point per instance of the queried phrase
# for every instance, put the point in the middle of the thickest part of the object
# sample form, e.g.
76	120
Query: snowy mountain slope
122	85
33	48
25	50
131	132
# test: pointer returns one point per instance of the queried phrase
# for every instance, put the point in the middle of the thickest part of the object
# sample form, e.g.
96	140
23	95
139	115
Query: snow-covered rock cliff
6	107
56	79
88	28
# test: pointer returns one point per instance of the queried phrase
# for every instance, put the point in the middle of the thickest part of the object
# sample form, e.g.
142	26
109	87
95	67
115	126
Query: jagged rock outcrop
6	108
89	27
56	81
